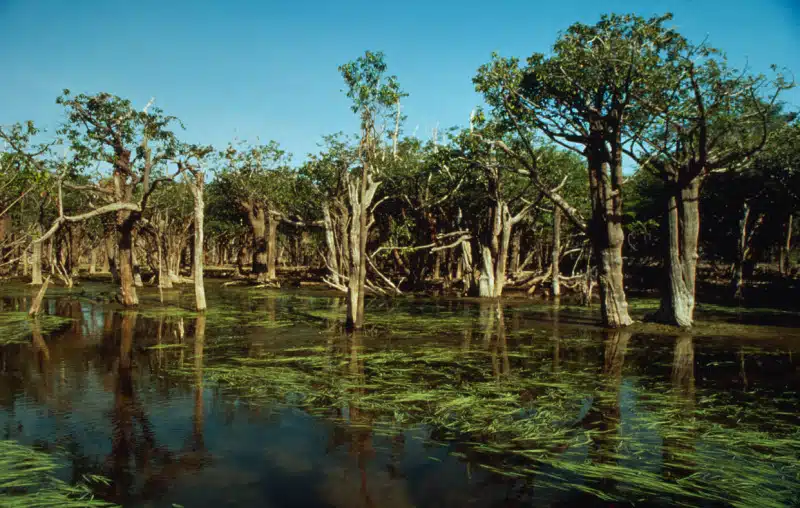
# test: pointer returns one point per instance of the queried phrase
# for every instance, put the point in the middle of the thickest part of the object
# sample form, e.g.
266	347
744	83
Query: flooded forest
585	295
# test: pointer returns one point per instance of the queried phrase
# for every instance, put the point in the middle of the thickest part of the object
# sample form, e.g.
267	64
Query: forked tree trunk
258	226
360	198
681	229
555	255
743	248
494	259
608	237
127	287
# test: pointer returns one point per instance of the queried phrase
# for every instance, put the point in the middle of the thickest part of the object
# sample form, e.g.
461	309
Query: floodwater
266	401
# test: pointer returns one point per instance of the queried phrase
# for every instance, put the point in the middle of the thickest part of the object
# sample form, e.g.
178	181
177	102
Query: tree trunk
36	261
258	226
360	200
681	229
786	248
164	278
199	219
127	287
608	237
93	261
556	252
486	281
737	275
272	247
330	242
516	254
111	256
137	272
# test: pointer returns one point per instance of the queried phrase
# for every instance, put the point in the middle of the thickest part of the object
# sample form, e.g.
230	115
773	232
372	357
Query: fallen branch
36	305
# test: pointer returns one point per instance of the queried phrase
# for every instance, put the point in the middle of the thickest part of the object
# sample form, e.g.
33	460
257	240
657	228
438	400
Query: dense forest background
629	159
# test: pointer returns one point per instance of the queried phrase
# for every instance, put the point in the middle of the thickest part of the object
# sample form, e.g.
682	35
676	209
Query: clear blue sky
269	69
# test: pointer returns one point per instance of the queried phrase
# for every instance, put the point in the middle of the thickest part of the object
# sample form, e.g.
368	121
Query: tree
135	146
258	180
373	93
710	118
27	181
189	164
582	97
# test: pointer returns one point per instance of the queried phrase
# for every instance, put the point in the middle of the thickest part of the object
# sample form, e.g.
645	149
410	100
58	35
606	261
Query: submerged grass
28	479
16	327
562	427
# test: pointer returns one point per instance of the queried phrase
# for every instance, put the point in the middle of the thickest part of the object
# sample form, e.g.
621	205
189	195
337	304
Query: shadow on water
266	401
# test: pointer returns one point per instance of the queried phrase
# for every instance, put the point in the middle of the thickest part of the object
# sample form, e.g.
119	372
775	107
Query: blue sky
269	69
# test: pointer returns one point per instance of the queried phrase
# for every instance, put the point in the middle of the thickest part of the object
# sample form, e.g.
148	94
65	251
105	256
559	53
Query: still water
267	402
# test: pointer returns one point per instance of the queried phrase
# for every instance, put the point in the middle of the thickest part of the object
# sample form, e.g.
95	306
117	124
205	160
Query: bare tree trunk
682	226
36	261
358	253
516	254
330	242
786	248
137	272
556	252
111	256
437	265
93	261
199	220
486	282
742	251
127	286
272	247
164	279
36	305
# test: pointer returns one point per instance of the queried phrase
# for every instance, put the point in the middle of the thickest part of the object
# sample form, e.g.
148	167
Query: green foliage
105	128
256	175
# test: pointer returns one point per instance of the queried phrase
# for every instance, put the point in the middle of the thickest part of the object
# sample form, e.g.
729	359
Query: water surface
266	401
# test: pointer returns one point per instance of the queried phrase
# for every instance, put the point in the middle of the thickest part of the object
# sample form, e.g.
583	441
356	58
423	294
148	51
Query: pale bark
93	261
36	305
330	242
199	220
36	263
743	248
272	247
681	227
127	286
555	255
786	249
608	236
137	272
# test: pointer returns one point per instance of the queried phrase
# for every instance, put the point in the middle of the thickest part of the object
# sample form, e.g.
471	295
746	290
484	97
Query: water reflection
127	396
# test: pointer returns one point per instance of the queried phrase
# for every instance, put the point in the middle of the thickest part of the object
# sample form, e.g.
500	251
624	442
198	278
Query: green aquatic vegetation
28	479
17	327
550	426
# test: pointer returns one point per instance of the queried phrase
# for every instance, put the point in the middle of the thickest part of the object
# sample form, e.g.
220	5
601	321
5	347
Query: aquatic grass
716	449
16	326
28	479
